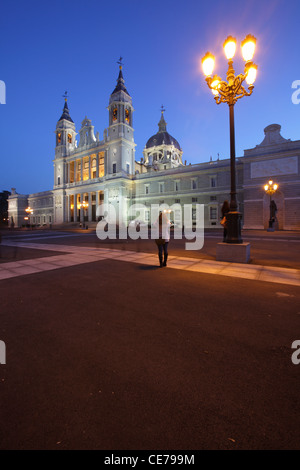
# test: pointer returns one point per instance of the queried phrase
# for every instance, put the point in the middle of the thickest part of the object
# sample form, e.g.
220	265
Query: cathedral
89	172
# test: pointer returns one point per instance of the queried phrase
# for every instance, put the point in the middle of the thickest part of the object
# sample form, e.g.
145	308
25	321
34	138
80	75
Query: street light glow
208	64
248	47
271	187
215	84
229	47
251	74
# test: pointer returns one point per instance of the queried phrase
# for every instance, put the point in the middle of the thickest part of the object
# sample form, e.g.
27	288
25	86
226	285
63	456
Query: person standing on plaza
162	242
225	209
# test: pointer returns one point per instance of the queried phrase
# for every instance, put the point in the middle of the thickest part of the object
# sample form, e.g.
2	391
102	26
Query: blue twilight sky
47	47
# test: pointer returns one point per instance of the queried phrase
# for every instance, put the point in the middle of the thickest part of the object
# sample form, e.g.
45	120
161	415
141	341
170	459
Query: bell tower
121	146
65	144
65	133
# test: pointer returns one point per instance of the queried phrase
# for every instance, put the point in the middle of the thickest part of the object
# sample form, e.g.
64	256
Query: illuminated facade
89	172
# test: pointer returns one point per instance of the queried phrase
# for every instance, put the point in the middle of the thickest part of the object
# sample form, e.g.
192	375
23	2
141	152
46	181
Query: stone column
75	207
81	208
90	207
67	211
97	202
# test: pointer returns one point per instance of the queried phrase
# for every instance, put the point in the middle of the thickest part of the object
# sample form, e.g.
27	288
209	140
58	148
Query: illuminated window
101	164
71	172
85	172
59	138
69	138
115	114
94	167
78	170
127	115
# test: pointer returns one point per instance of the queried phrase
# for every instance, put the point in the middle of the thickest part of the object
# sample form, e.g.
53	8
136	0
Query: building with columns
89	172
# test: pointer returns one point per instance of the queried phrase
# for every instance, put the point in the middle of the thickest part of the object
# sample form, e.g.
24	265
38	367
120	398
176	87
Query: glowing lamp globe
229	47
208	64
248	47
251	74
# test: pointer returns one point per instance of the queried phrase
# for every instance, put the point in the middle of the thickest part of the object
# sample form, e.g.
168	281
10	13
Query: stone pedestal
233	252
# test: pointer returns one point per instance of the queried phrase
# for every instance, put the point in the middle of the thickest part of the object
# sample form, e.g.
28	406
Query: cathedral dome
162	137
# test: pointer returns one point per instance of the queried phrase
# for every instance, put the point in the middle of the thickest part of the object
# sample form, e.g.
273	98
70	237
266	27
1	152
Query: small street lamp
84	205
270	189
229	92
29	212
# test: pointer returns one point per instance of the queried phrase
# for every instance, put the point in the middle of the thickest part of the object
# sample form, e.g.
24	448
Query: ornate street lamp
270	189
29	212
229	92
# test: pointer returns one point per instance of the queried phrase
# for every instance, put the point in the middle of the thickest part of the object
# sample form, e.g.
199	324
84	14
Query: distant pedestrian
225	209
273	210
162	242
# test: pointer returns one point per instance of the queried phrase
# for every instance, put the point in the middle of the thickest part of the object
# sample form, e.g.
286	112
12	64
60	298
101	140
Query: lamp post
270	189
84	204
229	92
29	212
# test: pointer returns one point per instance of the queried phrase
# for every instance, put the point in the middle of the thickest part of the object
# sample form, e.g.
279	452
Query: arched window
69	138
115	114
127	116
59	138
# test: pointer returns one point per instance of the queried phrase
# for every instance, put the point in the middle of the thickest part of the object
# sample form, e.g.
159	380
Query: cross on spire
65	95
162	125
120	62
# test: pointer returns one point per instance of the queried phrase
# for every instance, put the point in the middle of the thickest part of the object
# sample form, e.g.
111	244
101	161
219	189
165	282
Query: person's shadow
148	267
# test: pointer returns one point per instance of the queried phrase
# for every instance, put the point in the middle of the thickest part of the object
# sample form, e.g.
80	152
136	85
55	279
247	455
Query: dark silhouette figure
273	210
164	237
225	209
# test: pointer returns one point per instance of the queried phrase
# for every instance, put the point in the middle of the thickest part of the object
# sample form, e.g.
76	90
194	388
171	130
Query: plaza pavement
72	255
107	351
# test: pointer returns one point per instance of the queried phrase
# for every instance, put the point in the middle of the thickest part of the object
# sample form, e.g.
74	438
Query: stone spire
66	114
120	82
162	125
